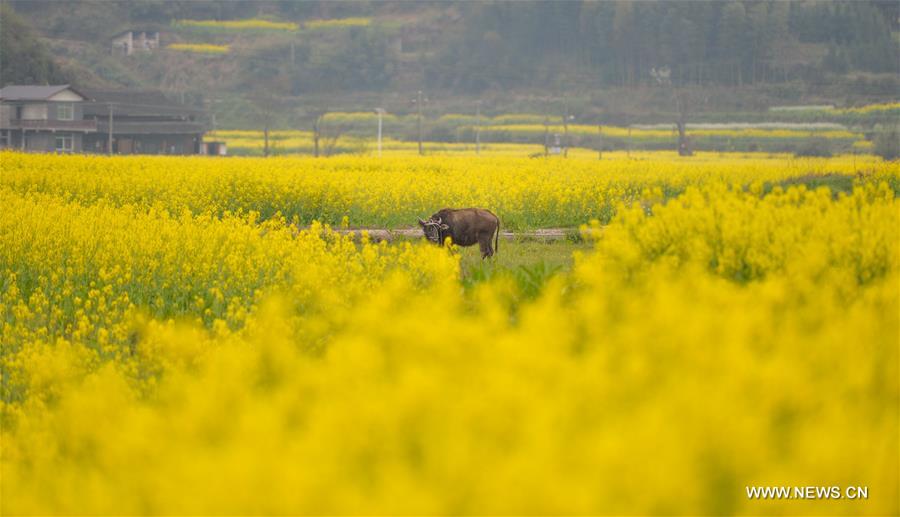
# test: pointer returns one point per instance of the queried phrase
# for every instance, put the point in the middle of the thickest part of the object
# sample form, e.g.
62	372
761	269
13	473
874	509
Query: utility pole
546	137
478	127
316	134
419	118
109	137
266	140
599	141
684	144
566	128
628	149
380	112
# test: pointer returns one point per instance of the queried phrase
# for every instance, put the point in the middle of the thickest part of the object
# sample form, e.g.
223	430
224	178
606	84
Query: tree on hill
23	59
469	47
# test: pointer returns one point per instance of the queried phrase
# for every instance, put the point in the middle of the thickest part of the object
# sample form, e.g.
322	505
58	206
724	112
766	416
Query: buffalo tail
497	237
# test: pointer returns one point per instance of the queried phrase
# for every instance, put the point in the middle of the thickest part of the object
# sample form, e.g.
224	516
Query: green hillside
283	63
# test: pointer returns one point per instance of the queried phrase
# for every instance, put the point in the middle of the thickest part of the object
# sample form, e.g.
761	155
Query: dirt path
382	234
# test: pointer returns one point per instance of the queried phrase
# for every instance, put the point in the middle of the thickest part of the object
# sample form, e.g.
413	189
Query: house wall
146	40
66	96
45	141
40	111
37	142
13	139
135	41
95	143
6	113
77	142
34	111
124	42
157	144
143	144
77	110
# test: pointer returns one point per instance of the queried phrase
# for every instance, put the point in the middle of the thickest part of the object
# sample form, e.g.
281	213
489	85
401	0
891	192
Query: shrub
816	146
887	145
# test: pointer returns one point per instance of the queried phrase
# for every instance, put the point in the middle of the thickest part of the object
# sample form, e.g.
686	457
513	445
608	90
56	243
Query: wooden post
566	128
419	118
628	149
380	112
546	137
478	127
316	136
109	137
684	146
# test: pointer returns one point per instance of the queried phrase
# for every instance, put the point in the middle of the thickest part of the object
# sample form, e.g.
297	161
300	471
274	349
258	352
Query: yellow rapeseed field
199	48
871	108
237	24
395	191
539	129
179	337
337	23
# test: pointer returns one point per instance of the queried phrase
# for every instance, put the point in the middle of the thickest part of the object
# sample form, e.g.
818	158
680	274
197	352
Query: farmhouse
142	122
44	119
129	42
63	119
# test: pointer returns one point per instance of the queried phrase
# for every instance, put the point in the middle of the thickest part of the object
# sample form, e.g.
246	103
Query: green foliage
837	183
540	44
23	59
502	46
528	264
355	58
887	144
814	147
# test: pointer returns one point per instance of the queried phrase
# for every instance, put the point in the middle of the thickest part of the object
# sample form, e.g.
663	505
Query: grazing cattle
465	227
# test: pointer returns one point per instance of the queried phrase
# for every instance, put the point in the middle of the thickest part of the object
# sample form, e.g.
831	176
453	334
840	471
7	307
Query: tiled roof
154	97
33	92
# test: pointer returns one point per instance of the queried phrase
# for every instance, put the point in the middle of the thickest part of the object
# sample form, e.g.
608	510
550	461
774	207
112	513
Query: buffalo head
432	228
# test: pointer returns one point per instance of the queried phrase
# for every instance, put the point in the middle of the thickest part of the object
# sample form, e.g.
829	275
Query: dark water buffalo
465	226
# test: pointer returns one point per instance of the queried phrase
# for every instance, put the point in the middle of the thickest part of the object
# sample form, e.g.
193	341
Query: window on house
34	111
65	112
64	144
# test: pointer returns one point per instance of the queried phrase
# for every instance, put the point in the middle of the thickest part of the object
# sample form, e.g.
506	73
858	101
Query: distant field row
470	119
268	25
526	140
394	191
354	132
251	26
200	48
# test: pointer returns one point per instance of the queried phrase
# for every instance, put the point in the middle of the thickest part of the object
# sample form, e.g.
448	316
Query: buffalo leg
486	250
